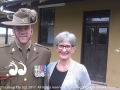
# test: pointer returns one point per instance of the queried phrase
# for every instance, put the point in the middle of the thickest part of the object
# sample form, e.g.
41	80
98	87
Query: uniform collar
15	53
21	48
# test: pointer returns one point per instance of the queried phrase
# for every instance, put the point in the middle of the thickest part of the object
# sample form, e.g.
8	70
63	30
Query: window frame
40	41
6	36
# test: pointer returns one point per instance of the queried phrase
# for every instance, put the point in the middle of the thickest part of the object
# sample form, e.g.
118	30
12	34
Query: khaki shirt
29	47
38	55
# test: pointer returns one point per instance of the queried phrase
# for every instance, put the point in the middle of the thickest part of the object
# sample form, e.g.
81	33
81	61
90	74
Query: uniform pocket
40	82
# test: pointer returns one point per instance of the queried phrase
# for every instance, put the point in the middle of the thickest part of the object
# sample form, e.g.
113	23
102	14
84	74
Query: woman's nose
64	49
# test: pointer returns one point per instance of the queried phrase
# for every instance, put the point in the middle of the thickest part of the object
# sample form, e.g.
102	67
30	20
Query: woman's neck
63	65
64	62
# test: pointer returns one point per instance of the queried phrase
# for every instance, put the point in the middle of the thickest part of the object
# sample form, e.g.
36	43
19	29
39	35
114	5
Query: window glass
90	35
10	36
2	35
102	35
105	19
50	31
47	26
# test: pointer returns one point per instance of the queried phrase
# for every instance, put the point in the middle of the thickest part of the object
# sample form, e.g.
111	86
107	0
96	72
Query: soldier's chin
23	42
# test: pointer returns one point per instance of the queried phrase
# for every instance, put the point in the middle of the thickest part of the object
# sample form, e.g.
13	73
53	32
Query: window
103	35
2	35
46	32
90	35
6	35
102	19
10	36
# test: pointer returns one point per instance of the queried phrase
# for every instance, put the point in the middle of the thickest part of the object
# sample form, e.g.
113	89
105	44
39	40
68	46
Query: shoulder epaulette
6	45
41	46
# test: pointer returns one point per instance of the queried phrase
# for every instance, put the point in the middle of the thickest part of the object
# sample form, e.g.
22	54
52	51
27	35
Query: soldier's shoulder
39	45
5	46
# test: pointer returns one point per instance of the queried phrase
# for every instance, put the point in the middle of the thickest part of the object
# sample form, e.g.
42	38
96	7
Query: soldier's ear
31	31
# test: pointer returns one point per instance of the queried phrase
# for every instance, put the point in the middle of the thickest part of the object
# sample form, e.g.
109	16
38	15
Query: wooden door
95	48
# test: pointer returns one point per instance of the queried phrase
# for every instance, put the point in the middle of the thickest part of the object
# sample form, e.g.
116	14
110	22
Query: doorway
95	44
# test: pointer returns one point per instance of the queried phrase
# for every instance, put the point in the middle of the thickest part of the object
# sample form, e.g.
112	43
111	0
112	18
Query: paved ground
103	87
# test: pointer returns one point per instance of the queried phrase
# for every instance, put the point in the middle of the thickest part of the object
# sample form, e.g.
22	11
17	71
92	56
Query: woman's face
65	50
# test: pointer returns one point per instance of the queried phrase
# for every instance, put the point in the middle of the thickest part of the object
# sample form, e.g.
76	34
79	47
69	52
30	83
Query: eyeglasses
67	47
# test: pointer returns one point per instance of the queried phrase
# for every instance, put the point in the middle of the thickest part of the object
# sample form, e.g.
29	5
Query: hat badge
23	21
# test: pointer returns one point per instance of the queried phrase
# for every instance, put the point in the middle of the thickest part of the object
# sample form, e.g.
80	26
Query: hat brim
10	23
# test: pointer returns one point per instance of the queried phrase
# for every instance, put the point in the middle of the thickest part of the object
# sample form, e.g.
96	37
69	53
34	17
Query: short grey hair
65	36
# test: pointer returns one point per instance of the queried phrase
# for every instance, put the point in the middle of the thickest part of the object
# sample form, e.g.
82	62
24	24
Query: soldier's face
23	33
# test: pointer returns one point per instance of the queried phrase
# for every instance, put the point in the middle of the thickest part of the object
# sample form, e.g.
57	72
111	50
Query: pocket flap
4	73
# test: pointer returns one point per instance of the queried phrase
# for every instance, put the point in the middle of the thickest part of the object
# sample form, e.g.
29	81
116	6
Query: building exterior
96	24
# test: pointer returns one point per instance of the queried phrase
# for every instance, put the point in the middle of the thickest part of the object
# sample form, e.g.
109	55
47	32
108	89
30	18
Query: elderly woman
67	74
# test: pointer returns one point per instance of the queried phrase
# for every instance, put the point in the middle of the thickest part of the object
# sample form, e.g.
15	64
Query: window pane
44	13
44	35
51	22
102	35
44	22
51	13
90	35
10	36
50	34
105	19
2	35
47	26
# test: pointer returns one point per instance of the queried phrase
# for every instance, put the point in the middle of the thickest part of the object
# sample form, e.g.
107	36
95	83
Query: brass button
25	79
7	75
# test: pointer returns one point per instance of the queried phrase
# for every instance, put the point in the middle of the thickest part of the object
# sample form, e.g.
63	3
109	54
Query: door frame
101	13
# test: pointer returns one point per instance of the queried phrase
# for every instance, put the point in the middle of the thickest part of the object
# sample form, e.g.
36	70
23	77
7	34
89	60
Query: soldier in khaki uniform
19	71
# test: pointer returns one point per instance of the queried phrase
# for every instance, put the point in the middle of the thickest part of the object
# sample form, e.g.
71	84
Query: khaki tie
24	54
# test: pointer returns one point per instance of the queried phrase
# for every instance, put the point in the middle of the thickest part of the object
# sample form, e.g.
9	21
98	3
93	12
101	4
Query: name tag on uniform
40	70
